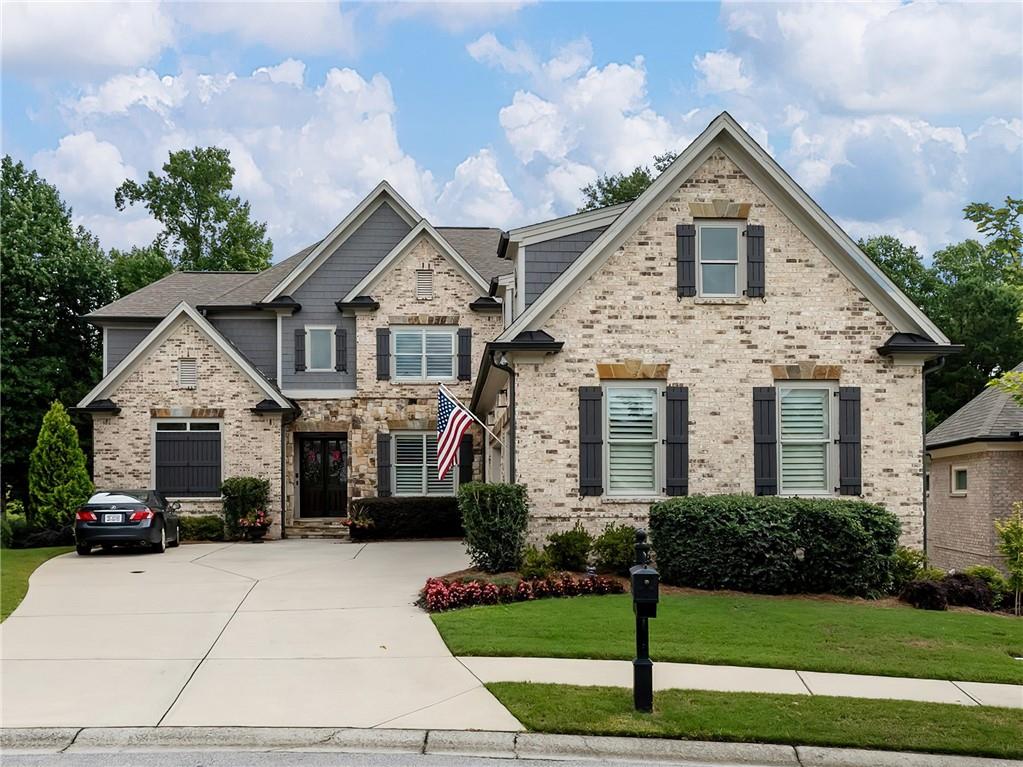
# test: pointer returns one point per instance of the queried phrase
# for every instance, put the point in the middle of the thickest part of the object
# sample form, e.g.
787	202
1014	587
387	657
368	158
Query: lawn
748	717
16	565
749	630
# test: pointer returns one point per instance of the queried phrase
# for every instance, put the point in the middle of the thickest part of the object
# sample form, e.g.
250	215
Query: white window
422	354
805	436
959	480
188	373
319	348
424	284
633	426
415	466
720	258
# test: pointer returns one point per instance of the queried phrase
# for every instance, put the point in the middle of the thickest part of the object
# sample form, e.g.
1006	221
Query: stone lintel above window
806	371
632	370
423	319
186	412
412	424
720	208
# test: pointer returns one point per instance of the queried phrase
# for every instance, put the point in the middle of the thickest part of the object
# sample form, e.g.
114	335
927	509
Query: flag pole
472	415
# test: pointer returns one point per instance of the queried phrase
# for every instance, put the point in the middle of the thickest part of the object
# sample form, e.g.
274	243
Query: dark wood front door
323	476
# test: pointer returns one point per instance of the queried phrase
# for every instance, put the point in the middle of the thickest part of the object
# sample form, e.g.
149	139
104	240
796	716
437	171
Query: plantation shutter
299	350
341	349
676	441
765	441
383	465
685	259
464	354
383	354
805	419
755	277
849	467
465	456
591	440
632	440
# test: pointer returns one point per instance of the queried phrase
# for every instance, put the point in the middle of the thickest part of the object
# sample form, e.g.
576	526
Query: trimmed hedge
383	518
775	545
495	517
201	527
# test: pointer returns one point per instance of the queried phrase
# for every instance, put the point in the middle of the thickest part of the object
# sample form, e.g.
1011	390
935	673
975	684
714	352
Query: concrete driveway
288	633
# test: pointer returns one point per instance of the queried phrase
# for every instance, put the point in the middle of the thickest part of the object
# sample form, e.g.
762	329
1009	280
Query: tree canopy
138	267
619	187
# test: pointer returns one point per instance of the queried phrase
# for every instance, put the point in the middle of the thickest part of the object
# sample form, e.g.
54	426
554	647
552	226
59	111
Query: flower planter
256	533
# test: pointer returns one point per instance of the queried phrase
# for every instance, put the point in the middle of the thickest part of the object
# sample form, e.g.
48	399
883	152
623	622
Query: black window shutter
755	277
591	440
299	350
464	354
850	480
676	442
465	456
765	441
685	261
383	354
383	465
341	350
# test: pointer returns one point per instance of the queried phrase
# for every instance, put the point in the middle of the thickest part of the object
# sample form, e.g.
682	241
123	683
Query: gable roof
158	298
724	133
480	246
991	416
157	335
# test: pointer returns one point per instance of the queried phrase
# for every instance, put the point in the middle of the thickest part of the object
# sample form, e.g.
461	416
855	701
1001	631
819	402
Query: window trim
453	471
952	490
450	330
830	442
154	422
740	255
309	348
658	387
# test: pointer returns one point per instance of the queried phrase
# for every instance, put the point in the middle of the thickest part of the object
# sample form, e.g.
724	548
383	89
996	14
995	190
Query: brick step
318	528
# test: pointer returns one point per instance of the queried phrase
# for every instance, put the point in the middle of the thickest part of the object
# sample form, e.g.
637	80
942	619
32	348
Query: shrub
18	525
774	545
907	565
6	536
536	563
201	527
995	581
1010	544
494	517
242	495
378	518
439	594
569	550
34	539
614	550
58	481
968	591
926	594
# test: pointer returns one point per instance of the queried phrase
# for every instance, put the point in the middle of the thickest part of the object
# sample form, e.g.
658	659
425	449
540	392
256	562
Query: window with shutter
421	354
187	459
188	373
320	348
720	257
424	284
805	439
415	466
632	419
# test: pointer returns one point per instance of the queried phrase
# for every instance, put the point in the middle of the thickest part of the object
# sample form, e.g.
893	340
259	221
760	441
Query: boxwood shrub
495	517
775	545
201	527
406	517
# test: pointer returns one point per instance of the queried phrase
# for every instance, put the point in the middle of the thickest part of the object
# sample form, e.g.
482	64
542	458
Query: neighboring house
976	474
718	334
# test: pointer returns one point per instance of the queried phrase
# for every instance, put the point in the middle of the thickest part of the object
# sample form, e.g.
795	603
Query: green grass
752	717
16	565
750	630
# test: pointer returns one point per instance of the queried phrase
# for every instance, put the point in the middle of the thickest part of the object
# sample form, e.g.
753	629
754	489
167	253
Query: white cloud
144	88
478	193
534	126
290	71
452	16
721	72
488	50
83	167
308	27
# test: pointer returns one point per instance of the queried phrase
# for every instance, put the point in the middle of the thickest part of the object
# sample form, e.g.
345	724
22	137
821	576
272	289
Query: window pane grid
719	260
419	354
415	467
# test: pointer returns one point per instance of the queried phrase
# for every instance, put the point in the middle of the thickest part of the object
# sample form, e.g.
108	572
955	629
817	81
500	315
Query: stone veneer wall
720	349
960	528
123	443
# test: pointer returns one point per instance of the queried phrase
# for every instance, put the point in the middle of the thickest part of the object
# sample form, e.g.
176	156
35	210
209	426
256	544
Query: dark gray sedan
127	517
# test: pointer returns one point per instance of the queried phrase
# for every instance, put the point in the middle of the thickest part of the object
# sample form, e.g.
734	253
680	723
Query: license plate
112	517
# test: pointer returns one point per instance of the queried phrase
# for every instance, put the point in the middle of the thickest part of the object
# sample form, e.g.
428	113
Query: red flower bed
439	594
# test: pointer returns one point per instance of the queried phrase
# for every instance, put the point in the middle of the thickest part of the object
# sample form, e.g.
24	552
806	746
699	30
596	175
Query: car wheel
83	549
177	537
160	547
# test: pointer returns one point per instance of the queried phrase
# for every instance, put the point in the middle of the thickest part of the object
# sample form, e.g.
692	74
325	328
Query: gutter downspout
511	412
939	363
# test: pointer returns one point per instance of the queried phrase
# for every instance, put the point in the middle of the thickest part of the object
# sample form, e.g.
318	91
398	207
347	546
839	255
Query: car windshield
118	496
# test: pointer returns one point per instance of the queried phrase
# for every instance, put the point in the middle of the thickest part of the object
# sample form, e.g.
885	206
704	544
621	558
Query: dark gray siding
255	338
336	276
545	261
120	342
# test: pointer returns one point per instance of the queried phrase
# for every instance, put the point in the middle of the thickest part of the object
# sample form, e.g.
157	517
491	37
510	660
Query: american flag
453	421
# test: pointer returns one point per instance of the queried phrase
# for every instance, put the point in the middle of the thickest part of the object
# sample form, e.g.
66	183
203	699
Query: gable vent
188	373
424	283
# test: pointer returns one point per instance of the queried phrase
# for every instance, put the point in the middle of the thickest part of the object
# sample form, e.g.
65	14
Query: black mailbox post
645	594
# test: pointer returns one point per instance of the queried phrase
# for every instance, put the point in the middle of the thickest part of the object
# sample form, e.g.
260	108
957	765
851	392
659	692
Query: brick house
975	475
718	334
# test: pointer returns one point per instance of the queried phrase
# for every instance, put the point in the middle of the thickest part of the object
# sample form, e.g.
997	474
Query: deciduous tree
611	189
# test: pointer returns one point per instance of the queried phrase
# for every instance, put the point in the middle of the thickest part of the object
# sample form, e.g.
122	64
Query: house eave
359	303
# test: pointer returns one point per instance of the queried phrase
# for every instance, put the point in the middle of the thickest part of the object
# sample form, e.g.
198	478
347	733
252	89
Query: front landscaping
787	719
16	565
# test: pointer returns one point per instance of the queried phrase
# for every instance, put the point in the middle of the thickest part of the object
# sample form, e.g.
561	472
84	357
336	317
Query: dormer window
424	284
188	373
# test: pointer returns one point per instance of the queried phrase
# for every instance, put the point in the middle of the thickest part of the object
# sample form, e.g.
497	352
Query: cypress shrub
58	482
494	517
406	517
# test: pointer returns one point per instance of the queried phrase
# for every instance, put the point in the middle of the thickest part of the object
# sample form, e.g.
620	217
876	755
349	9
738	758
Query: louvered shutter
849	466
755	276
591	440
465	457
299	350
685	259
341	350
765	441
676	441
383	354
383	465
464	354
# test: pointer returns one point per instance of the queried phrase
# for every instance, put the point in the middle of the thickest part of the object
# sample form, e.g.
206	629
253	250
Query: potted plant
255	524
358	521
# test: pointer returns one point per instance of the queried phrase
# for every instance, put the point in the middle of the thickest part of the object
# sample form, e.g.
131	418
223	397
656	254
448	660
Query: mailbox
645	588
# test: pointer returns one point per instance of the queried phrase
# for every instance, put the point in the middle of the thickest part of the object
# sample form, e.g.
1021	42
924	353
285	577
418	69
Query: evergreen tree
58	481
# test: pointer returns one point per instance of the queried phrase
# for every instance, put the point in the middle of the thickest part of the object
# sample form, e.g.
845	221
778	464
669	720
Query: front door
323	476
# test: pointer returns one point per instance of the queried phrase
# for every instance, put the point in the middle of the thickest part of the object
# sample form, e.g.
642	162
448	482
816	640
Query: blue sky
892	115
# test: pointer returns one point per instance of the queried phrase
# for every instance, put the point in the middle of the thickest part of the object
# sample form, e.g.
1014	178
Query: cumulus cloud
453	16
290	71
144	88
478	194
721	72
83	167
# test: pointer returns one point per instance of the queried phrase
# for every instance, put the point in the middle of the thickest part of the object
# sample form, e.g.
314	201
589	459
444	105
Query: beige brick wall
123	443
960	528
720	350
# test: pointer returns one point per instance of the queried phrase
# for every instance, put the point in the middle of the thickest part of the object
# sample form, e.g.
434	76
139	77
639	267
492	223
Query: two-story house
718	334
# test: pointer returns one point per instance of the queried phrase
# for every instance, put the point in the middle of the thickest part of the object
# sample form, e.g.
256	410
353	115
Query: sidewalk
691	676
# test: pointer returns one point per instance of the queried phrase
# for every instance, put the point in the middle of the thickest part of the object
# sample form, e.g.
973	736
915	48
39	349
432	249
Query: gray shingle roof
158	298
478	246
991	415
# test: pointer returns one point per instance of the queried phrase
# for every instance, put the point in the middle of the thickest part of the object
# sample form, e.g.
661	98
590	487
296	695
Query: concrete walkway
288	633
691	676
